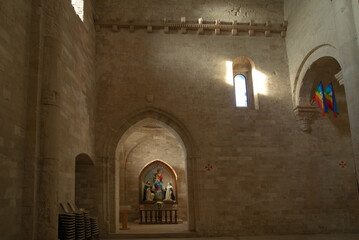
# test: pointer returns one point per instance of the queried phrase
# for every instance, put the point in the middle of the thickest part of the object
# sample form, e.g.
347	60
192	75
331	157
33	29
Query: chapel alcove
147	146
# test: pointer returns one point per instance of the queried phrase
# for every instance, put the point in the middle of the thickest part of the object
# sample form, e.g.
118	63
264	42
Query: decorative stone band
305	116
339	77
217	27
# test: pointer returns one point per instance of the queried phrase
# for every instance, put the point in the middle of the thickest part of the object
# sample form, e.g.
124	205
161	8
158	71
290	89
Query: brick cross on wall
342	164
208	167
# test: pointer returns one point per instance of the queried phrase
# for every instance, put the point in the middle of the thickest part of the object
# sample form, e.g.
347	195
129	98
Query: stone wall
267	175
317	27
356	16
77	93
28	35
67	106
14	37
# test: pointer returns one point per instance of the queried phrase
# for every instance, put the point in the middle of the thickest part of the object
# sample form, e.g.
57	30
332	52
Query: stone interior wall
268	176
356	16
14	37
317	27
76	65
155	143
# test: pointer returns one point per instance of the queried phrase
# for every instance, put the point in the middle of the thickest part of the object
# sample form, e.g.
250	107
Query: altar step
152	235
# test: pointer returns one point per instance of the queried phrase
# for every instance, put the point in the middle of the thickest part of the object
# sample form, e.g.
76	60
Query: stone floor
180	232
281	237
155	228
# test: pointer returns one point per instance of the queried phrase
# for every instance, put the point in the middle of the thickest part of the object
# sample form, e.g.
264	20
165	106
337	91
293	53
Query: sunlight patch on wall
229	73
259	82
79	8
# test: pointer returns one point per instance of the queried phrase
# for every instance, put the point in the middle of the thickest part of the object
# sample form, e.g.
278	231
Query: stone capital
305	115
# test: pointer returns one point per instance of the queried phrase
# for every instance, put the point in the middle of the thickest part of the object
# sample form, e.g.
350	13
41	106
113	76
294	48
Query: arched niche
158	182
85	183
324	69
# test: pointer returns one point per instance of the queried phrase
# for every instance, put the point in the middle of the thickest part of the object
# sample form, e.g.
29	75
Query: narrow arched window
240	87
243	84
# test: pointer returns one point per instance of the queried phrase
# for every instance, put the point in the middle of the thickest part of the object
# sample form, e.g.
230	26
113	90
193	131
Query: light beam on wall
259	82
229	73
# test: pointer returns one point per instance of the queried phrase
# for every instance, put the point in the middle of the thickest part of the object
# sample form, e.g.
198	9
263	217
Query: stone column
192	189
349	53
103	196
49	162
48	204
32	154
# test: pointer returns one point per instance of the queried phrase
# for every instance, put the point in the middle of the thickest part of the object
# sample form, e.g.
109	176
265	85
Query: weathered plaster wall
267	176
14	37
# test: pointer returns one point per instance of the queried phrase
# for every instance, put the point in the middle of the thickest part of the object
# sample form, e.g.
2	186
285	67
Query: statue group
155	191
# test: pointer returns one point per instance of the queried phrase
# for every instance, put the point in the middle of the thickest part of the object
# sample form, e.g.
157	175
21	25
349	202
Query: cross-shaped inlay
342	164
208	167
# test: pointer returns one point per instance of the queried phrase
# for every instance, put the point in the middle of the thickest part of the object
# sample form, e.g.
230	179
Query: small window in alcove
79	8
240	87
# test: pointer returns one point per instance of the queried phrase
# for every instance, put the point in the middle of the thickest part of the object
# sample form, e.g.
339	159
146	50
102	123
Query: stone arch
305	92
323	50
178	129
322	68
84	159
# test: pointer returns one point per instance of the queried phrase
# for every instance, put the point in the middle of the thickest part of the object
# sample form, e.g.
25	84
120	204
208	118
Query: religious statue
148	195
157	186
153	185
169	193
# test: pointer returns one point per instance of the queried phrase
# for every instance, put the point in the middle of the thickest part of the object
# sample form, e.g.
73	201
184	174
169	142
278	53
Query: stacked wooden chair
76	224
67	227
94	226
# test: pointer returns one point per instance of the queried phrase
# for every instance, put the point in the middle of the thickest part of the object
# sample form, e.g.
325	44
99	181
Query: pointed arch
178	129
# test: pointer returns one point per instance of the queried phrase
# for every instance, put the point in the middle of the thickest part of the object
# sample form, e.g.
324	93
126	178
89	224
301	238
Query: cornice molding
200	26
